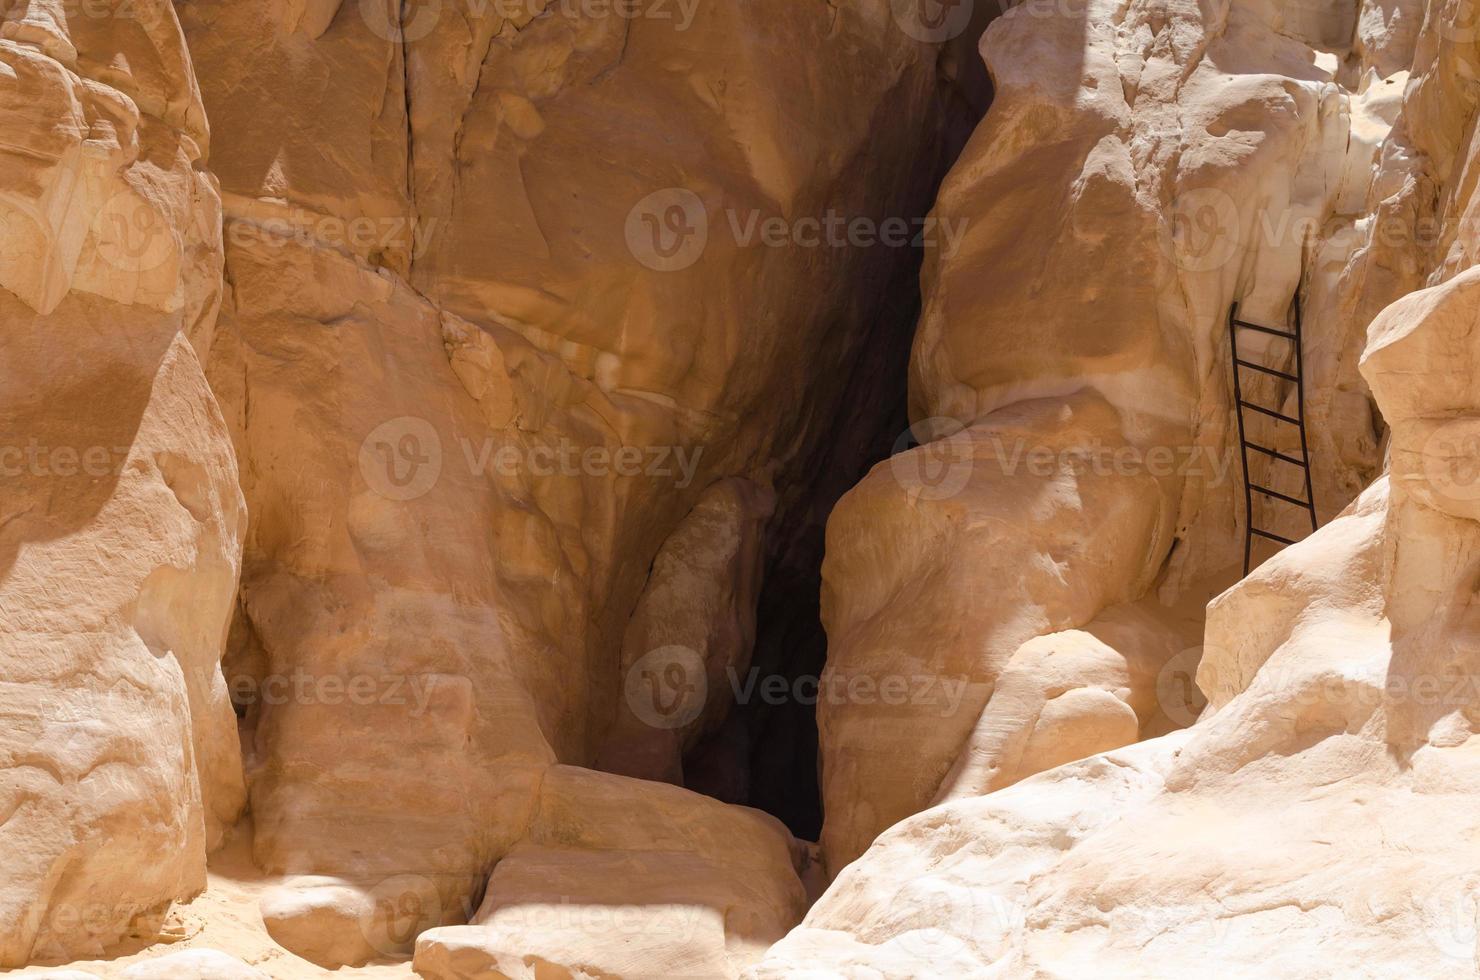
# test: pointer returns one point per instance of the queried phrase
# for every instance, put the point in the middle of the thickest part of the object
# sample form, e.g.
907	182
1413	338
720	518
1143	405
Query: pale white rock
1143	167
120	515
193	964
443	337
626	878
1318	820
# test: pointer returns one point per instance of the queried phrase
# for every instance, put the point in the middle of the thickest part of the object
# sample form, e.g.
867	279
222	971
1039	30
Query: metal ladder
1242	404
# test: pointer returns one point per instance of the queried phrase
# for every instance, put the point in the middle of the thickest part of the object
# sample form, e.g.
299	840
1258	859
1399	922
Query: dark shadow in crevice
767	755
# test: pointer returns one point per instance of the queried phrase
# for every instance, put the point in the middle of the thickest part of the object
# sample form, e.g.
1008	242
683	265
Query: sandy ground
223	917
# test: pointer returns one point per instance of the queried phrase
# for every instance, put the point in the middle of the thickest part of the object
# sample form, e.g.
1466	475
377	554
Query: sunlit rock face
1263	839
1143	168
1319	815
419	421
530	310
120	515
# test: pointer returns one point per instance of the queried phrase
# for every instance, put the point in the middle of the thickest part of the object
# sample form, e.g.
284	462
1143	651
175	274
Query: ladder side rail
1243	441
1310	493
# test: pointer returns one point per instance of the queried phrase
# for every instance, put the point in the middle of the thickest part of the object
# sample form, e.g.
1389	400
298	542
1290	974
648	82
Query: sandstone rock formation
1317	819
500	329
465	446
618	878
120	515
1264	840
1143	167
419	421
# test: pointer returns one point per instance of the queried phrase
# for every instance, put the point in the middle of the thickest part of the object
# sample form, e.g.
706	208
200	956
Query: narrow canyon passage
766	755
526	489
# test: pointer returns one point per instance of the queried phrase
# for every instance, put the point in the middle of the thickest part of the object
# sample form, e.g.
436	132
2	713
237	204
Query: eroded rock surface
624	878
467	434
1318	818
120	515
1143	167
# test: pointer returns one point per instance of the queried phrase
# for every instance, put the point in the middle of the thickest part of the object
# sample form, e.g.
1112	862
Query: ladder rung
1267	370
1276	455
1277	495
1269	330
1272	537
1270	412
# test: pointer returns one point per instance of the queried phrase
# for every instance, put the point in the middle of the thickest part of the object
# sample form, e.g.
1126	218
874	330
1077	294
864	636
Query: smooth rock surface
1144	166
626	878
120	514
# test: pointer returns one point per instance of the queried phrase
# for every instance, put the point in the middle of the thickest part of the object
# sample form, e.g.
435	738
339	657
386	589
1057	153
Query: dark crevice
767	755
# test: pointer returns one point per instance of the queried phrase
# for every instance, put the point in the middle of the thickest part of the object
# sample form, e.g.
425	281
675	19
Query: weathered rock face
1318	819
1264	839
463	389
622	878
120	515
523	314
512	371
1143	167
